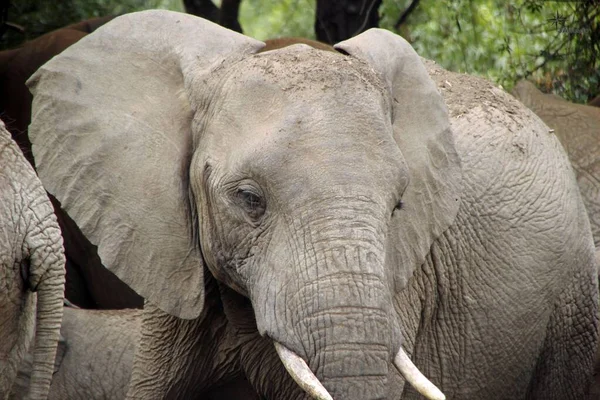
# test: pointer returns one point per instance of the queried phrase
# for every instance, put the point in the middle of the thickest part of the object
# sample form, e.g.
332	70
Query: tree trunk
226	16
342	19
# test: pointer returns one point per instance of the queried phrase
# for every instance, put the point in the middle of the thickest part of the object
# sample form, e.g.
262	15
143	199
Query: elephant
95	356
356	224
32	261
88	284
577	126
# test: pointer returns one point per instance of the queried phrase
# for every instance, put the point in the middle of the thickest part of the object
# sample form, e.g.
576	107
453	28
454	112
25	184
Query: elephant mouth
306	379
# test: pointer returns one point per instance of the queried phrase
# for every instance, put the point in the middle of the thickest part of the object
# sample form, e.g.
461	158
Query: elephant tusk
301	373
413	376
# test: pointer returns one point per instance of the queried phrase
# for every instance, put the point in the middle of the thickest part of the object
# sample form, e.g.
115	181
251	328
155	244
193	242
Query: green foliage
554	43
550	42
267	19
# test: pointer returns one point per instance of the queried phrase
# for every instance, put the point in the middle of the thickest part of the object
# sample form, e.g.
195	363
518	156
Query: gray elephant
95	356
320	222
577	126
32	266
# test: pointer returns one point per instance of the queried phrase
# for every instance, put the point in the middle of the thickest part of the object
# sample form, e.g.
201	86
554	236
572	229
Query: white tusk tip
416	379
301	373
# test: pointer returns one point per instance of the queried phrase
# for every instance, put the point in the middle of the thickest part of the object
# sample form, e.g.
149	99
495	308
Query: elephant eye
251	201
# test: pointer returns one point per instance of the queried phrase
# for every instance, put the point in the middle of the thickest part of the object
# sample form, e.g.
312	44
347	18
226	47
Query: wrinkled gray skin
253	198
577	126
31	271
94	358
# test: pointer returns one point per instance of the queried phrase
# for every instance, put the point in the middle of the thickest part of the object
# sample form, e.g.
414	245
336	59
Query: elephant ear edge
421	128
111	134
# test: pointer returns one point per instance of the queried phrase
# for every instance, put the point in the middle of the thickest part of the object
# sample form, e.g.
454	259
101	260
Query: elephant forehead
279	89
303	69
260	111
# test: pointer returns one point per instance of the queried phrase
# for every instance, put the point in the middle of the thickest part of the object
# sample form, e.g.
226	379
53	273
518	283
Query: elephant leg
166	355
569	344
182	359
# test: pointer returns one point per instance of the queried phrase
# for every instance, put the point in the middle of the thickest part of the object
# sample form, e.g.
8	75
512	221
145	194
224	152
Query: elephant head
312	182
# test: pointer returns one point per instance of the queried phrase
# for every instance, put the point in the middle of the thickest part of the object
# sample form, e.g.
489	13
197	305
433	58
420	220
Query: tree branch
202	8
226	16
229	15
406	14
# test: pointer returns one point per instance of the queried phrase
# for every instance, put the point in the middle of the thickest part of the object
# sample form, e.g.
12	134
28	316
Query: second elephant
94	358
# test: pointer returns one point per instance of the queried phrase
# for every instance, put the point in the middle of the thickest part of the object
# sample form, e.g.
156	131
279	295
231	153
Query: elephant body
32	271
495	133
312	221
95	359
577	126
95	356
517	324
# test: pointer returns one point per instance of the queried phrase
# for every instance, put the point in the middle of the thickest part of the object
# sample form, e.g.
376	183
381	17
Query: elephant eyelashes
251	201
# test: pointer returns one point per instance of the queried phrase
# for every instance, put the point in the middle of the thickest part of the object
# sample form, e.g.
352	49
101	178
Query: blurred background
556	44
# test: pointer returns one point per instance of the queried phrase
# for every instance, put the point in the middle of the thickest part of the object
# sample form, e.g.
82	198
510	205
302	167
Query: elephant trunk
342	338
352	358
349	337
47	264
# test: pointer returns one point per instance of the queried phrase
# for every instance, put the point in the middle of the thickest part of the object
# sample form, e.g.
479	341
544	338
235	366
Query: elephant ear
422	131
111	133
